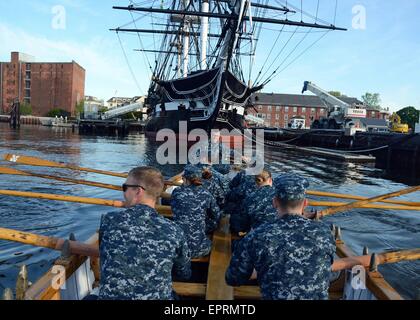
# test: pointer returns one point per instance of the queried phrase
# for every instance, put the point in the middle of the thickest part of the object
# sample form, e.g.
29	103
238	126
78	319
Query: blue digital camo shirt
139	250
195	210
292	257
258	206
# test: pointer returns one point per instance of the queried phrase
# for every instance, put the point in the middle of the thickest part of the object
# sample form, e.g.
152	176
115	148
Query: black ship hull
398	154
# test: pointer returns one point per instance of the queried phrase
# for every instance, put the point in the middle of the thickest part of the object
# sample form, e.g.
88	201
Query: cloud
106	70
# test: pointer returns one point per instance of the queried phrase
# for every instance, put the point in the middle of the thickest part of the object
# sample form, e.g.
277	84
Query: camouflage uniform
258	206
216	186
292	255
240	186
223	167
139	249
195	210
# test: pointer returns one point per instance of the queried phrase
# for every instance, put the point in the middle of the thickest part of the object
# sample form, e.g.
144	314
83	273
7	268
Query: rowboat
76	274
82	275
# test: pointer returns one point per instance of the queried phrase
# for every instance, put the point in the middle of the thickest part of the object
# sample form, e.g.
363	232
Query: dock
327	153
103	127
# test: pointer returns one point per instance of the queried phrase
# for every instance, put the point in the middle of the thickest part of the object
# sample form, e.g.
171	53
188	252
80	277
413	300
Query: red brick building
44	86
278	110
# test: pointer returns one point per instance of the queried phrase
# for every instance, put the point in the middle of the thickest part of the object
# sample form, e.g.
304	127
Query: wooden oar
382	258
54	243
5	170
353	197
164	210
48	242
84	249
34	161
362	203
365	206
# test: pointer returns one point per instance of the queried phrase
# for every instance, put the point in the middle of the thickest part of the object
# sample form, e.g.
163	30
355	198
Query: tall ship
204	68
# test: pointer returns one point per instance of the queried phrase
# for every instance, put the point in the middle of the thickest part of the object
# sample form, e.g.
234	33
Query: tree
80	107
25	109
409	116
58	112
372	100
336	94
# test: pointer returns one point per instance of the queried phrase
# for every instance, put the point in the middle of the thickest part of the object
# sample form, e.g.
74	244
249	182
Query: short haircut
150	178
262	177
289	204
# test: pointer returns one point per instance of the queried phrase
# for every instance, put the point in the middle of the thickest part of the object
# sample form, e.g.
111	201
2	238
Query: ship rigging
204	55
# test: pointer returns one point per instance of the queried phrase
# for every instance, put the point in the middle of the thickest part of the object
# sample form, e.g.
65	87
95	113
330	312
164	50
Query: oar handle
76	247
348	206
382	258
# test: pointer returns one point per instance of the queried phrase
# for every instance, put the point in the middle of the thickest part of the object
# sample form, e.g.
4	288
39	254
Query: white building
115	102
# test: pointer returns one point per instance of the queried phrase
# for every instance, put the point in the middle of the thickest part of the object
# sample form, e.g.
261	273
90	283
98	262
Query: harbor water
379	230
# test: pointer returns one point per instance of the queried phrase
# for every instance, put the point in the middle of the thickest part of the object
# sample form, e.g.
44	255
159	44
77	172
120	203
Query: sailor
195	210
258	205
218	153
241	185
291	255
214	183
139	249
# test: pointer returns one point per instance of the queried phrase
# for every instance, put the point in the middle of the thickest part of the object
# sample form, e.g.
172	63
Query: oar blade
33	161
6	170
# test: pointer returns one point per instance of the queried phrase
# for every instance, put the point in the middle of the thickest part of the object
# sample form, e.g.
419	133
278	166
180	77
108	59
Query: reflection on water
380	230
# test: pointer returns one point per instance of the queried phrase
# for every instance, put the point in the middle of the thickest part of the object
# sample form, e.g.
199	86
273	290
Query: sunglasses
126	186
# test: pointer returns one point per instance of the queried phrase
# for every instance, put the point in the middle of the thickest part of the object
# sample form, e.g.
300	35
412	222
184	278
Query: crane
341	115
123	110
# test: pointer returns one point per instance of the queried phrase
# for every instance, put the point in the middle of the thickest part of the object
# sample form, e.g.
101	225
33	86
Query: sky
381	56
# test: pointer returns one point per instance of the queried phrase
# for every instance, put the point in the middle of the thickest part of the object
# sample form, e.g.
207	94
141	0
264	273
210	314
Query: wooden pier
330	154
103	127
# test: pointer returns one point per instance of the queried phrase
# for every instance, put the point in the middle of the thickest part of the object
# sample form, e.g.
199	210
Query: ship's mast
186	47
204	34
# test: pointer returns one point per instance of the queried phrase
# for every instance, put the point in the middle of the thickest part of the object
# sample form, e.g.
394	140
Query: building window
313	110
286	124
303	110
286	109
286	117
321	111
259	107
295	109
269	108
373	114
277	116
268	116
278	108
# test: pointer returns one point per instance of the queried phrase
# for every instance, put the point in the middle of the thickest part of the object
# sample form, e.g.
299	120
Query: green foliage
58	112
80	107
409	116
336	94
372	100
25	109
103	109
132	115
